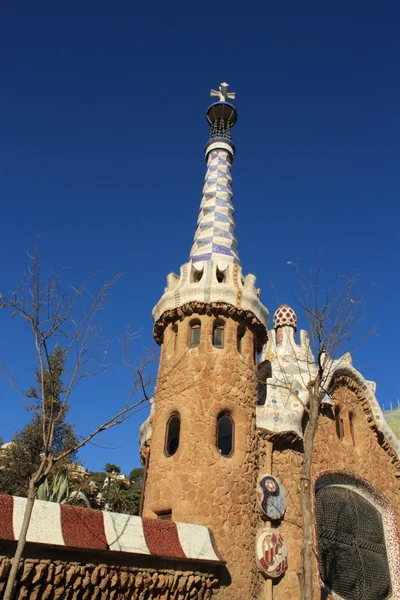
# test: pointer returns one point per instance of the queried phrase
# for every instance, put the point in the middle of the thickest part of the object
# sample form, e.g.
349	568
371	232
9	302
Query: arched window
225	432
218	334
172	434
241	330
352	553
196	274
194	333
221	277
339	424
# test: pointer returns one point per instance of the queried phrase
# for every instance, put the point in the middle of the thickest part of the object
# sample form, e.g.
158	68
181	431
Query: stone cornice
214	309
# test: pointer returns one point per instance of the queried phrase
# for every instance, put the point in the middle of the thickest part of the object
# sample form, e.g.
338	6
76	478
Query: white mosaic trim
196	542
184	289
343	366
124	533
293	366
45	524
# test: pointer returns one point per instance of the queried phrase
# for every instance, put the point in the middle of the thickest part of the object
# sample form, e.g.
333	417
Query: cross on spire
223	93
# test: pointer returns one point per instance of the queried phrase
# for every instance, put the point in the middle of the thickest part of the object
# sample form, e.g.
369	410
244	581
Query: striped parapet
83	528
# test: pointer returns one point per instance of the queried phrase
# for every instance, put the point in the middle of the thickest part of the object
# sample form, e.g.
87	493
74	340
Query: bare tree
68	318
334	315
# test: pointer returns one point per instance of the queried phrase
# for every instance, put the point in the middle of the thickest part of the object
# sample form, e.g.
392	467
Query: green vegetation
115	492
68	482
393	419
20	460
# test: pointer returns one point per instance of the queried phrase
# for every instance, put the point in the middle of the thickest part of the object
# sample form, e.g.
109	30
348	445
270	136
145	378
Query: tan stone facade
197	483
251	499
362	455
52	574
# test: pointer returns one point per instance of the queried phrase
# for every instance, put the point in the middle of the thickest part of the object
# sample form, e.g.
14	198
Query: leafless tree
335	315
64	316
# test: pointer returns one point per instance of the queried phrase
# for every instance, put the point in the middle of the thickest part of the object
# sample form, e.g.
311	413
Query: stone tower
201	458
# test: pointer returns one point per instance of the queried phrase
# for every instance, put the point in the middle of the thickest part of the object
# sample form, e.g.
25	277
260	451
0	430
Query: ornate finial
221	115
223	93
285	317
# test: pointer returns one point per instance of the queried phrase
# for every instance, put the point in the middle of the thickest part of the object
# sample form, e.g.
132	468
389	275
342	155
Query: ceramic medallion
271	553
271	496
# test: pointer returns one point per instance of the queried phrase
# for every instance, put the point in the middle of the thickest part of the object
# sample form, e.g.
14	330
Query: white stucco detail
342	366
196	542
236	290
292	367
124	533
145	430
45	524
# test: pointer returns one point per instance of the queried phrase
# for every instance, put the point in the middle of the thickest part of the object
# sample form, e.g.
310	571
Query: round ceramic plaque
271	553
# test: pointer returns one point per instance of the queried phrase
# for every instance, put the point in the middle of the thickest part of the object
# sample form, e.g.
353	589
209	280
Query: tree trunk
307	552
11	581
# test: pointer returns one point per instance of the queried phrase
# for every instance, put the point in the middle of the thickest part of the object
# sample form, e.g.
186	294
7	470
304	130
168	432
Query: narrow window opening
255	349
196	275
175	330
165	515
225	435
352	432
172	435
194	334
221	278
339	424
218	334
240	335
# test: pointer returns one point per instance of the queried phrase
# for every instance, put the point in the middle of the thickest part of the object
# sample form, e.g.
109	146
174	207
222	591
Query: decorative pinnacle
223	93
221	115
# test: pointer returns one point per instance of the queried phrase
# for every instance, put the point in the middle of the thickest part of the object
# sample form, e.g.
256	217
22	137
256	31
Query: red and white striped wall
63	525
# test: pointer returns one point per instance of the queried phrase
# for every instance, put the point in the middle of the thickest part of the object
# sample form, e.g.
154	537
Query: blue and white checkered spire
215	233
213	273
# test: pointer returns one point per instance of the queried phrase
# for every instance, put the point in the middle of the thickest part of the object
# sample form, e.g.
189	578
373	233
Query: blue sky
102	132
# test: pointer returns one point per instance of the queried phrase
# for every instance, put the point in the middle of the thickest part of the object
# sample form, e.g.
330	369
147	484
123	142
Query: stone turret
210	323
291	368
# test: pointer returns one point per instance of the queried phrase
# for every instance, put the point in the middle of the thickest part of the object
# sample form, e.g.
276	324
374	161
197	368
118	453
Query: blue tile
221	217
203	241
221	249
201	257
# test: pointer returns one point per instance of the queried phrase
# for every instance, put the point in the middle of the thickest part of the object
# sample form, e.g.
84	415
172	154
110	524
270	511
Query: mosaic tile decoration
271	553
283	408
285	315
63	525
215	233
271	496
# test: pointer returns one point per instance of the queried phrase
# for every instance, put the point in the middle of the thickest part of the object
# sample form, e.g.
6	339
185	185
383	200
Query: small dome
285	316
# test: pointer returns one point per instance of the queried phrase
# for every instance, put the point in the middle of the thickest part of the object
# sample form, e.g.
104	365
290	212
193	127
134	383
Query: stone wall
367	457
197	483
51	574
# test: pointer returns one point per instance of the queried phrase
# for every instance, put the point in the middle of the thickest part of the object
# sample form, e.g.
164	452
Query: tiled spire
212	279
215	233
